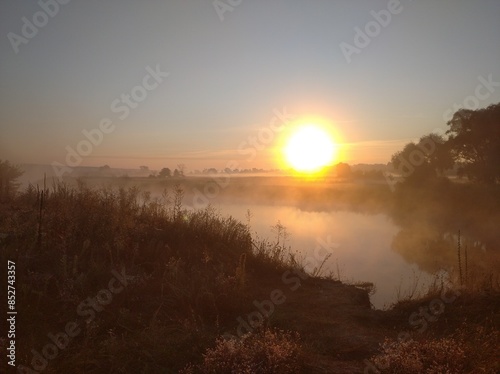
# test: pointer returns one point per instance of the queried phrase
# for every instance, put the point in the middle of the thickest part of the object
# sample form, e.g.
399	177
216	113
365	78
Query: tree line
472	147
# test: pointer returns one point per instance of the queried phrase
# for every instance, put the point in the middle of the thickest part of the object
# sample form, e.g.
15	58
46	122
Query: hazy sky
230	69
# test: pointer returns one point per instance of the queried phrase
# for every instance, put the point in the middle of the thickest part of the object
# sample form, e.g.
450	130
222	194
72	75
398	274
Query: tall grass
463	339
186	269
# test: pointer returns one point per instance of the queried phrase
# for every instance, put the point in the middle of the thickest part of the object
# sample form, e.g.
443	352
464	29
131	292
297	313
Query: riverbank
108	281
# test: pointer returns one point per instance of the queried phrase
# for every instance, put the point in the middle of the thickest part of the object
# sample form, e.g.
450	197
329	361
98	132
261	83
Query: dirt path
338	326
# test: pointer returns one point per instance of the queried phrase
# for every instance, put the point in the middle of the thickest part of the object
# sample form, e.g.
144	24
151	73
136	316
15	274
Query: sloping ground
340	330
337	324
338	327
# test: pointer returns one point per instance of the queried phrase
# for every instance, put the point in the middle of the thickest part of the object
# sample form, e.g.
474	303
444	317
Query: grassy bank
148	285
111	280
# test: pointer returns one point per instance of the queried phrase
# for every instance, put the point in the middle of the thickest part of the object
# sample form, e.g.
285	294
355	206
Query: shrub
471	349
416	357
267	351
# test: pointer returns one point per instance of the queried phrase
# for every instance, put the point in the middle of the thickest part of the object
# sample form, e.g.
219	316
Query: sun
309	149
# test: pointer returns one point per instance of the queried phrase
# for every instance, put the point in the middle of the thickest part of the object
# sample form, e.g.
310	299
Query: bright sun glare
309	149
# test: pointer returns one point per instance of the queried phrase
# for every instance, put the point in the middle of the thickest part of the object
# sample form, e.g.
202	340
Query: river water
361	251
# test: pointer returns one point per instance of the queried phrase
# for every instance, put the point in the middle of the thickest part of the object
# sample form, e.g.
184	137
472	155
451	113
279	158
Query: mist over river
397	241
362	245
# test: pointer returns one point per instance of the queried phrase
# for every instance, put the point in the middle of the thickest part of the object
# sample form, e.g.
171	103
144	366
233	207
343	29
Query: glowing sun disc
309	149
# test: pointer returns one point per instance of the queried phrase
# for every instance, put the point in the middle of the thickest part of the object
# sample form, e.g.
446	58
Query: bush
468	350
267	351
430	357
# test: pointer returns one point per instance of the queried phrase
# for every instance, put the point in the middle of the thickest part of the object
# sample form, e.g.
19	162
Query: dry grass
264	352
188	278
186	275
468	350
191	275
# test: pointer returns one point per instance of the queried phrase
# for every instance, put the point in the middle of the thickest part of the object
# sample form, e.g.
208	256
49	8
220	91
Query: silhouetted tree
475	141
182	169
438	152
343	170
177	173
8	176
165	173
419	162
105	170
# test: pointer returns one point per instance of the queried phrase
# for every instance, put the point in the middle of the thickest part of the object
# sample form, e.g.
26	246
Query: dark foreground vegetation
182	278
112	281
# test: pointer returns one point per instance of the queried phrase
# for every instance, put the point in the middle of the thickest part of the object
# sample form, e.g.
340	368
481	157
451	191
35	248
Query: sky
218	83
